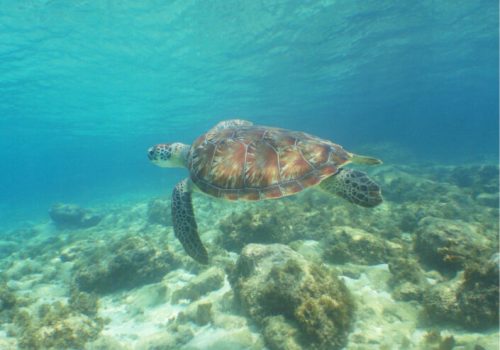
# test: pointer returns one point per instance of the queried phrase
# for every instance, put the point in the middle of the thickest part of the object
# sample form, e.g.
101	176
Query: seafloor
419	271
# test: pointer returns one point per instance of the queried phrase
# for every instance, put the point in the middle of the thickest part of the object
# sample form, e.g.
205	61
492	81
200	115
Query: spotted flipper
185	227
355	186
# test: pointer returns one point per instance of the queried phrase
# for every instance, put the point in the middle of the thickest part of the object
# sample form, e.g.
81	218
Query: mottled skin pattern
185	227
355	186
236	160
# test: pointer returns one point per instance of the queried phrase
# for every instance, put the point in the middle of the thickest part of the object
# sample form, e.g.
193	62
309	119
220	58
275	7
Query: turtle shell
258	162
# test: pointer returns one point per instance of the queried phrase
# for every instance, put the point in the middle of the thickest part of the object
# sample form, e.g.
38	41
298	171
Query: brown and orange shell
258	162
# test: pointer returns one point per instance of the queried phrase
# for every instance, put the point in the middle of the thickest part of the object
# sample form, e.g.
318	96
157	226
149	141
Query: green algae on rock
478	295
280	333
129	262
86	303
448	245
407	279
57	326
277	222
346	244
272	280
471	300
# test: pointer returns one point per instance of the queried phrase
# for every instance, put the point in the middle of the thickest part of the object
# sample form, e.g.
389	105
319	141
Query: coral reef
129	262
316	307
72	216
448	244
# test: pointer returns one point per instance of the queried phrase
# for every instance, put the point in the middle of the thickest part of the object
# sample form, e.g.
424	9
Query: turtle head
169	155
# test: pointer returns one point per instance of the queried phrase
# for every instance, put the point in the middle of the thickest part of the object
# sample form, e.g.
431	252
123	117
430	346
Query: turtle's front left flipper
355	186
185	227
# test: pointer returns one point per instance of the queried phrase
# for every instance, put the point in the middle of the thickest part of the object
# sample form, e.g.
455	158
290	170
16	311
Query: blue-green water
87	86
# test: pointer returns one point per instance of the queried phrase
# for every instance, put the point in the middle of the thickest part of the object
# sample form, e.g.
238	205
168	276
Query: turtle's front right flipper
185	227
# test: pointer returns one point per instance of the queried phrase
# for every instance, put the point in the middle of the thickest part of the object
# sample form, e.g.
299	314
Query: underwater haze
402	254
87	86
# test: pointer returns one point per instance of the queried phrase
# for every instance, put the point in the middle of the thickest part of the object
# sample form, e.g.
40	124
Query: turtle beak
151	153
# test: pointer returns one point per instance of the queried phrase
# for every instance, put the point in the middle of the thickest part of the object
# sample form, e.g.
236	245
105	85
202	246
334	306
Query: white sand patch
381	321
143	312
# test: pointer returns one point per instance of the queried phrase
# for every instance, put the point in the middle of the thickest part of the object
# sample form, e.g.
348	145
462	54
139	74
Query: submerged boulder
353	245
208	281
275	222
255	226
478	296
72	216
131	262
297	303
447	245
408	281
471	300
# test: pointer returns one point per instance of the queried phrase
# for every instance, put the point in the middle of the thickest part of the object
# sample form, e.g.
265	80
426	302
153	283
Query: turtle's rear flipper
355	186
185	227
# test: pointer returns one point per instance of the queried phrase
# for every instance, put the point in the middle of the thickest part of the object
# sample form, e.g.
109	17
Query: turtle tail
357	159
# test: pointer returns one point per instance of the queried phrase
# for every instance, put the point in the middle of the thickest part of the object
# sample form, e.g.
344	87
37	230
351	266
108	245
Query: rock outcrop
297	303
70	216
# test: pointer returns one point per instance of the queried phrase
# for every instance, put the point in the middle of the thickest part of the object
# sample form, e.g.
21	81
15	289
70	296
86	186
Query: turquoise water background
87	86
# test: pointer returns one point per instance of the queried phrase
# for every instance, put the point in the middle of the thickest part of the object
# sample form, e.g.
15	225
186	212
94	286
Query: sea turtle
236	160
